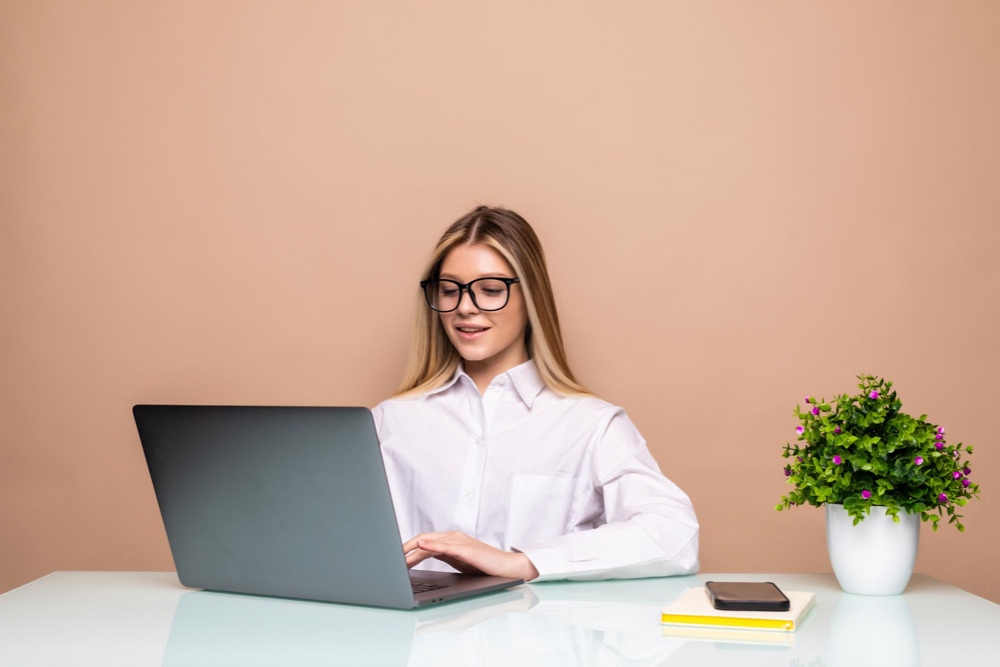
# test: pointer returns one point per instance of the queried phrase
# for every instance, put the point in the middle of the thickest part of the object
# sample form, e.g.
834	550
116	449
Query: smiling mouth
472	329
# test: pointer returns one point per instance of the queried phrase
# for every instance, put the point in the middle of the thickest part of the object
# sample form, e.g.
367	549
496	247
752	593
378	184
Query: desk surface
148	618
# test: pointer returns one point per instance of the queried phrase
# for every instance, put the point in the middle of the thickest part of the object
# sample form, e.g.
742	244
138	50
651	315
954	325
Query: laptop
287	502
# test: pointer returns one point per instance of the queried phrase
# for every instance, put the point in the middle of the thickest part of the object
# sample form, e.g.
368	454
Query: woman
498	460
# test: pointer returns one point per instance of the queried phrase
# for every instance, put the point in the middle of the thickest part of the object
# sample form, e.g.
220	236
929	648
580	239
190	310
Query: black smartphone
746	596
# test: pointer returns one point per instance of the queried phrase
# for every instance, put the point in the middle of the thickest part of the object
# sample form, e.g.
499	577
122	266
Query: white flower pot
876	556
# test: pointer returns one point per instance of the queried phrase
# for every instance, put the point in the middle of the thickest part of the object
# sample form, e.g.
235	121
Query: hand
468	555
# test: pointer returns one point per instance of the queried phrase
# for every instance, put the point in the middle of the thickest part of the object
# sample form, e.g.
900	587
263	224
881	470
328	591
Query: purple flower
940	430
939	446
939	436
874	394
919	460
965	483
799	459
788	471
815	410
956	475
836	430
807	399
942	498
866	494
800	430
967	470
837	460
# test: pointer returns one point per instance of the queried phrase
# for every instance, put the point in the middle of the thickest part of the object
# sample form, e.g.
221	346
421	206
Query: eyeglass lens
487	294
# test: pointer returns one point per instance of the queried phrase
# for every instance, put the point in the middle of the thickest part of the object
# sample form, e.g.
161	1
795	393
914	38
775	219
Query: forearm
646	546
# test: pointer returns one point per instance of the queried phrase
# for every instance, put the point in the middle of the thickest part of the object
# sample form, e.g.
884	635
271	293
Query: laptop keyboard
423	588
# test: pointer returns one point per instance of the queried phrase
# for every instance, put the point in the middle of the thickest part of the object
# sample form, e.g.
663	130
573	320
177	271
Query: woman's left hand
468	555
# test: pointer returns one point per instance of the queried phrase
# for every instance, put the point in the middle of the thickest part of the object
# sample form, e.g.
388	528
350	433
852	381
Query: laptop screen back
284	501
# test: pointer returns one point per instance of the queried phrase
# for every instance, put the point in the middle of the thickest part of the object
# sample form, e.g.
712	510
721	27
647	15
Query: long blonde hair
433	359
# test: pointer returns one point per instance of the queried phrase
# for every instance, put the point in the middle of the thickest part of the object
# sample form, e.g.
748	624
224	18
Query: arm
651	529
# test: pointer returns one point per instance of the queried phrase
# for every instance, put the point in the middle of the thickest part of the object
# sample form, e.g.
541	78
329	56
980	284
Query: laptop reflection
215	628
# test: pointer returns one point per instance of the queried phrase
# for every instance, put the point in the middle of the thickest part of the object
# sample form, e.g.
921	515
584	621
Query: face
493	339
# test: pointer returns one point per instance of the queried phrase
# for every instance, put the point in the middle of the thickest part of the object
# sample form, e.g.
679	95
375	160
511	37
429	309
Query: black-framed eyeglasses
487	294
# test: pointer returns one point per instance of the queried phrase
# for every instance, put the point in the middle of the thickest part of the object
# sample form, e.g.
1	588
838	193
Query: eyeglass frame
467	287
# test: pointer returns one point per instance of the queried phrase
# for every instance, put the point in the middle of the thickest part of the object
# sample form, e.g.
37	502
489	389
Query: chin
472	354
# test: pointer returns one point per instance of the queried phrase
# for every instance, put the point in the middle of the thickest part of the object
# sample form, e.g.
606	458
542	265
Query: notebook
285	501
693	609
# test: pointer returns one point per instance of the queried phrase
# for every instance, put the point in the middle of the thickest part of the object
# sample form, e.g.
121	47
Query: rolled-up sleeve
650	527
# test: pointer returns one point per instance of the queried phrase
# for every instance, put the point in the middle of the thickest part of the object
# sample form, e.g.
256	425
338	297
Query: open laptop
285	501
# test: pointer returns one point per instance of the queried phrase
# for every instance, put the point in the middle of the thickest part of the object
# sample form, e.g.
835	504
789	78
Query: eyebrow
482	275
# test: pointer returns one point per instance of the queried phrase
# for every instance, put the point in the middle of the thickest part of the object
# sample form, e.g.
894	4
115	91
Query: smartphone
746	596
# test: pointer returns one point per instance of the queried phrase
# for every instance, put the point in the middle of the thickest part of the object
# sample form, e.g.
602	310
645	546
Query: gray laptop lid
284	501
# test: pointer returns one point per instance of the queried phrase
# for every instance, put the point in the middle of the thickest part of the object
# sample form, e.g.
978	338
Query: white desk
148	618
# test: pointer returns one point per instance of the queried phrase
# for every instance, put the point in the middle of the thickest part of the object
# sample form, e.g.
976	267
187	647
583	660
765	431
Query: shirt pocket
541	508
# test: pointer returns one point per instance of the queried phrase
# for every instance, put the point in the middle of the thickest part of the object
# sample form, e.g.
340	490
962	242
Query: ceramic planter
876	556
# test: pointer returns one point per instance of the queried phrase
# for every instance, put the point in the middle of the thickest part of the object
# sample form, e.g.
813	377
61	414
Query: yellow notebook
694	609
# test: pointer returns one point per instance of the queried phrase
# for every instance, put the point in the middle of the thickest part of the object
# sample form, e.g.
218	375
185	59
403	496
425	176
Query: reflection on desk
126	618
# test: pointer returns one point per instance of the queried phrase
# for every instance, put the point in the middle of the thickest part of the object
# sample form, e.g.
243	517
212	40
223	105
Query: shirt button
502	381
479	440
468	495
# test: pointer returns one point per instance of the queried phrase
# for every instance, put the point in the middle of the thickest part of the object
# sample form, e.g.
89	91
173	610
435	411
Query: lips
471	333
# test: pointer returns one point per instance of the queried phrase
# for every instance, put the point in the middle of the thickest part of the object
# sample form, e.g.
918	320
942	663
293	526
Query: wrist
526	569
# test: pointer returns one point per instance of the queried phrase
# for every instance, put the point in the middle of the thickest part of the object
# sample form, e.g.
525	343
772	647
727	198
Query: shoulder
393	409
591	412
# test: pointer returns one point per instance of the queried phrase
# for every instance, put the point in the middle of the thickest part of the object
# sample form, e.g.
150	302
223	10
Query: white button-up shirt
566	480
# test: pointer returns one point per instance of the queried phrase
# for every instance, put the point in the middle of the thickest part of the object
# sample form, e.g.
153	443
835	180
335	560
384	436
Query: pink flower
800	430
919	460
967	470
874	394
866	494
942	498
836	430
939	446
807	399
837	460
956	475
940	430
965	483
815	410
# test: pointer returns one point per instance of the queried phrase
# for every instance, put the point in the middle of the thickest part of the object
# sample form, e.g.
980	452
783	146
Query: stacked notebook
693	616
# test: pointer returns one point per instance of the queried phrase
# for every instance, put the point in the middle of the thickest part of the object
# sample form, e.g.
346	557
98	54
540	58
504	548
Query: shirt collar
527	381
525	378
459	371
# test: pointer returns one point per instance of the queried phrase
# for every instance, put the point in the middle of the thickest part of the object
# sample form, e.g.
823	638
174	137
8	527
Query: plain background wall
741	203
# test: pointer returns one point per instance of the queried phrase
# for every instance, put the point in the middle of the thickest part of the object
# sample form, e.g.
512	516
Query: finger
460	565
416	556
440	546
460	556
411	543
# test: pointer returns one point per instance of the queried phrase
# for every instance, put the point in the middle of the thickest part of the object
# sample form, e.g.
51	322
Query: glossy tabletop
148	618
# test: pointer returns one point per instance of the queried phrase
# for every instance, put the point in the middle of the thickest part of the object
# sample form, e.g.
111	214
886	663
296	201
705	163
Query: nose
465	302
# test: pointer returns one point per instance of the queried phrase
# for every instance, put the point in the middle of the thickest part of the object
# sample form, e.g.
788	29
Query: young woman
499	462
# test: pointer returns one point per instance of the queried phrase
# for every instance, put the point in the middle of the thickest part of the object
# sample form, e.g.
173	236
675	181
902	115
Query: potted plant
877	470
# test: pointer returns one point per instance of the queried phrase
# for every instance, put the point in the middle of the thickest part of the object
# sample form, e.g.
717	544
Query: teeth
470	330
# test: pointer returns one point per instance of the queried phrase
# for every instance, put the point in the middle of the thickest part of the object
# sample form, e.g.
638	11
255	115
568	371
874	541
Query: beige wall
230	202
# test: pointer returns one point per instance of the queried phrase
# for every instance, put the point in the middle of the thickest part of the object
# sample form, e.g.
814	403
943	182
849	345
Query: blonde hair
433	359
